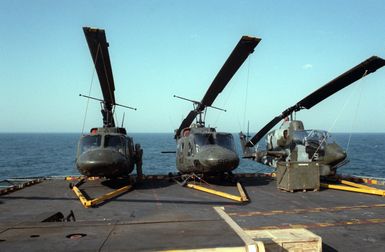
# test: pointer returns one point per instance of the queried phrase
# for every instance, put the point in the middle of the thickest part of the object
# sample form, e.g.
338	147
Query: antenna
123	119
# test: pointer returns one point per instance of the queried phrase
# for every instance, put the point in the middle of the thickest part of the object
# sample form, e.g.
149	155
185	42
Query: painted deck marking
250	244
322	225
304	210
158	203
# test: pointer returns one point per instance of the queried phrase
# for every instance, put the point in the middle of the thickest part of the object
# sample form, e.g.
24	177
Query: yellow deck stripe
251	245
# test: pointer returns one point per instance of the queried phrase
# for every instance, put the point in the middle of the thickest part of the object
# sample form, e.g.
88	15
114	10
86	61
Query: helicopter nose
335	154
218	159
100	162
341	155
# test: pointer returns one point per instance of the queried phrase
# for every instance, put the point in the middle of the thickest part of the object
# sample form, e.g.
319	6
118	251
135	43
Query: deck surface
161	215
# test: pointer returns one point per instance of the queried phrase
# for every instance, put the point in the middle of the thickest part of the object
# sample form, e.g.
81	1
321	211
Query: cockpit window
224	140
90	142
204	139
116	142
299	136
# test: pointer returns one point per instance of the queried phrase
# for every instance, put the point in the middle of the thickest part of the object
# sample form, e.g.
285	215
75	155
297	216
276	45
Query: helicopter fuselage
202	150
105	152
291	142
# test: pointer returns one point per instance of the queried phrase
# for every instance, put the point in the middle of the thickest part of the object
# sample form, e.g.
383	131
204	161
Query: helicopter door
186	147
180	149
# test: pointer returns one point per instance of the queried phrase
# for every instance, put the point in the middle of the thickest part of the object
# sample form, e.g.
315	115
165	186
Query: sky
163	48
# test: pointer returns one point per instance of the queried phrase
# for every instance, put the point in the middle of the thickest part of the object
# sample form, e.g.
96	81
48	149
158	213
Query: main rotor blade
98	45
240	53
361	70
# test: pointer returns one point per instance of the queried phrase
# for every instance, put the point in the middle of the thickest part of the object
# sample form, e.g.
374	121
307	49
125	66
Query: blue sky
162	48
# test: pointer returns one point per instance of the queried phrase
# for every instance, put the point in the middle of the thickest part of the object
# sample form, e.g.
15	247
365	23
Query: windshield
115	142
310	137
224	140
89	142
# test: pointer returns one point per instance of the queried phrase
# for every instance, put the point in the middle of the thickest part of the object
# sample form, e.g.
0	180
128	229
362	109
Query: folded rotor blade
361	70
97	43
368	66
240	53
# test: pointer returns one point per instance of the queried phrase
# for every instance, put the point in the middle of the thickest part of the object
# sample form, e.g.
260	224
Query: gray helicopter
292	142
107	151
200	149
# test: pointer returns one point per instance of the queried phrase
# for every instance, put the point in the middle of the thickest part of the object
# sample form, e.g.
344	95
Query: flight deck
159	214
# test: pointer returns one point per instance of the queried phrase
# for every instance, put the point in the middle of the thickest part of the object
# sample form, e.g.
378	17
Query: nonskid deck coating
159	215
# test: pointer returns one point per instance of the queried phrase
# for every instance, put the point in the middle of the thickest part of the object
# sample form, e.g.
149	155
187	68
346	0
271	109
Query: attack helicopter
107	151
292	142
202	150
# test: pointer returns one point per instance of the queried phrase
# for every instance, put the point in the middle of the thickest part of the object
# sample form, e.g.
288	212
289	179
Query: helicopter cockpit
314	142
224	140
312	138
114	142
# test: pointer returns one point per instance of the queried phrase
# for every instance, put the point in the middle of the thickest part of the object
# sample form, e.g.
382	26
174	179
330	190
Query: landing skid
195	182
130	179
349	186
98	200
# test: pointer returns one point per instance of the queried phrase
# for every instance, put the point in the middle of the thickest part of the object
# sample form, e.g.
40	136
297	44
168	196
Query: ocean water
30	155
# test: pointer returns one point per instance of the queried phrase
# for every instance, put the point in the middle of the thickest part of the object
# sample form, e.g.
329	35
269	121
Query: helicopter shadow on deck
182	202
256	181
179	195
90	189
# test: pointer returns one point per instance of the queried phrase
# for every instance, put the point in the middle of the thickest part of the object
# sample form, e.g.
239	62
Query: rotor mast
199	112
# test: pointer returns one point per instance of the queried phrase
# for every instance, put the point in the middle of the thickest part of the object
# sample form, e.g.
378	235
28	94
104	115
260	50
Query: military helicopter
107	151
200	149
291	142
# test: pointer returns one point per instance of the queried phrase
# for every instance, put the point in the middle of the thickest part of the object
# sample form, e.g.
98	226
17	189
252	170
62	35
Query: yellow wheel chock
354	187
